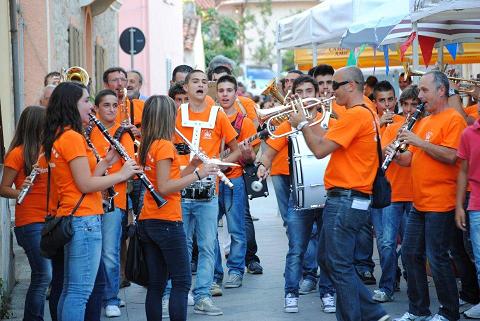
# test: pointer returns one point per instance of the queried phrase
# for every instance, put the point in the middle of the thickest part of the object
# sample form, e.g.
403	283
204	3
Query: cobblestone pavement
261	296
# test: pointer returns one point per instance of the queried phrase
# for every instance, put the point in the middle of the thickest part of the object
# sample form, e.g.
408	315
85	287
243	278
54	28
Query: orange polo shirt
34	206
400	177
102	146
247	130
434	182
66	148
340	110
353	165
172	211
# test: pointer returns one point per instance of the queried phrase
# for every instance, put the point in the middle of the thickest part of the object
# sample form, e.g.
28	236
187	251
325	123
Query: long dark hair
28	134
62	112
158	122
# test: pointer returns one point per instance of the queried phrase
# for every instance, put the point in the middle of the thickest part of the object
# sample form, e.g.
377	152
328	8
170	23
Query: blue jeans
364	248
200	217
81	263
393	223
94	304
166	254
299	230
231	203
310	264
281	184
342	221
251	253
111	236
429	234
474	219
28	237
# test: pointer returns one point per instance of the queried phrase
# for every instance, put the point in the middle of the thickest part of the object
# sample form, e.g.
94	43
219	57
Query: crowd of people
186	140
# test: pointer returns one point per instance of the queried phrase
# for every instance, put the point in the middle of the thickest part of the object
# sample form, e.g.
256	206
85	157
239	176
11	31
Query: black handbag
136	269
57	231
382	190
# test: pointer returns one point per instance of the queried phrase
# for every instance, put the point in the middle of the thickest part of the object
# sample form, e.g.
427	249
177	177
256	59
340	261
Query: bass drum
306	174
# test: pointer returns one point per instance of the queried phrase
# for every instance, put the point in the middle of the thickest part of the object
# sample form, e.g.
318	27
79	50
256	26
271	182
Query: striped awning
449	30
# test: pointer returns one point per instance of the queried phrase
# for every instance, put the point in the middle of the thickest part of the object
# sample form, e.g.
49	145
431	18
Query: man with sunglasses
351	141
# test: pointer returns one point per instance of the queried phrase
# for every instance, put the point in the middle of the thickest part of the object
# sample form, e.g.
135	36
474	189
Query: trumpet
24	191
205	159
276	115
466	85
76	73
272	90
399	146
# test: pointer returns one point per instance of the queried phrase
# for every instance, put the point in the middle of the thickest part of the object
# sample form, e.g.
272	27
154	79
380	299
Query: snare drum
203	190
306	174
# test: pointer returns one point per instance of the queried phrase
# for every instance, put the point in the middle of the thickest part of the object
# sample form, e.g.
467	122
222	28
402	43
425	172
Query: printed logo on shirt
207	133
55	153
428	135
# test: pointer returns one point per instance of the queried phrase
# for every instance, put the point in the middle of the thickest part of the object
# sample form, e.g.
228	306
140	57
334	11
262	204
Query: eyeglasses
336	85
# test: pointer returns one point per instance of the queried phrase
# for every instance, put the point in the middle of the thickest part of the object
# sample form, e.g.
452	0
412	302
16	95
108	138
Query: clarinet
121	151
204	158
110	192
24	191
399	146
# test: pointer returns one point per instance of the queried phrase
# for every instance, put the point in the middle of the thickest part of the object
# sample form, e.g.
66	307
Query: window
75	47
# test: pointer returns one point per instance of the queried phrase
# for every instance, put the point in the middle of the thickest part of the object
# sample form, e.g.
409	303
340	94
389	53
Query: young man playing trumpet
299	223
232	202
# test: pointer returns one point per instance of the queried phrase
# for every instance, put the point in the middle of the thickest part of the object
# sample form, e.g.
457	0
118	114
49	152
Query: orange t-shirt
472	111
247	130
248	105
340	110
354	164
280	161
400	177
66	148
34	206
280	164
435	182
172	211
102	146
210	139
137	112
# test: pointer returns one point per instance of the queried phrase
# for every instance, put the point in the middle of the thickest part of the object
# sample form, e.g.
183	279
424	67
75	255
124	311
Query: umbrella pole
415	51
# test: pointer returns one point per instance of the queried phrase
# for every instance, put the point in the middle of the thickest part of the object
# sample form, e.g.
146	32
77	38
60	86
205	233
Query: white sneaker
438	317
328	302
291	303
412	317
473	312
112	311
191	302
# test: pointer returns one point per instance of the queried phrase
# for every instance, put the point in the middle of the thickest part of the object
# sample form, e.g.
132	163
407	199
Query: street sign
132	42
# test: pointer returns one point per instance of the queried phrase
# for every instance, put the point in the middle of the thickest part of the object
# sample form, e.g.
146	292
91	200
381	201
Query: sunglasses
336	85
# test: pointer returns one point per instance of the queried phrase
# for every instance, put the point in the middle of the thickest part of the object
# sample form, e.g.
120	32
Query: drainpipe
16	29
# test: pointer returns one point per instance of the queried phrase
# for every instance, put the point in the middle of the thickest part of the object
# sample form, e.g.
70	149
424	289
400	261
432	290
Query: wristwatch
453	92
302	124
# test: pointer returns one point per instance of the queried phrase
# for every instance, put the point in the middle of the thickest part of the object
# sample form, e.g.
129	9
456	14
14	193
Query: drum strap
198	125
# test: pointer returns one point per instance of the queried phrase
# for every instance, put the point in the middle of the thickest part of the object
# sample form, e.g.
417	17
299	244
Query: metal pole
279	63
132	50
415	51
440	54
314	55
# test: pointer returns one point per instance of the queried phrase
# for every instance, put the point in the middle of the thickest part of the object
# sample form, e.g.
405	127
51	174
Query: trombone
76	73
466	88
276	115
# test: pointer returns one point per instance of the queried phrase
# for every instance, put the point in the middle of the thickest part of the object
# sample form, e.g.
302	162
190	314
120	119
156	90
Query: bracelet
302	124
198	175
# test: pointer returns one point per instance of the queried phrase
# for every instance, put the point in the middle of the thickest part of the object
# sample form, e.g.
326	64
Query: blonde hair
158	122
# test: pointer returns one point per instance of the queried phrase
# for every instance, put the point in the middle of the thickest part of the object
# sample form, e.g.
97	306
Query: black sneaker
254	268
125	283
367	278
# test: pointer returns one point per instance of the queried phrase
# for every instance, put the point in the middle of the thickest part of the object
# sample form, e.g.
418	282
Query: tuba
76	73
272	90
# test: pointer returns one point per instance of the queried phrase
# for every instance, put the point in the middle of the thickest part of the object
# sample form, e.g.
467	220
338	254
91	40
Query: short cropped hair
113	69
303	79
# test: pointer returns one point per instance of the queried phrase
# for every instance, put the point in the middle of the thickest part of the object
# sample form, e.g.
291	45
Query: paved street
260	297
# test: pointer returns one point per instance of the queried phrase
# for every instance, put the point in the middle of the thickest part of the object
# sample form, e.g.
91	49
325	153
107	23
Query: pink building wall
162	24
